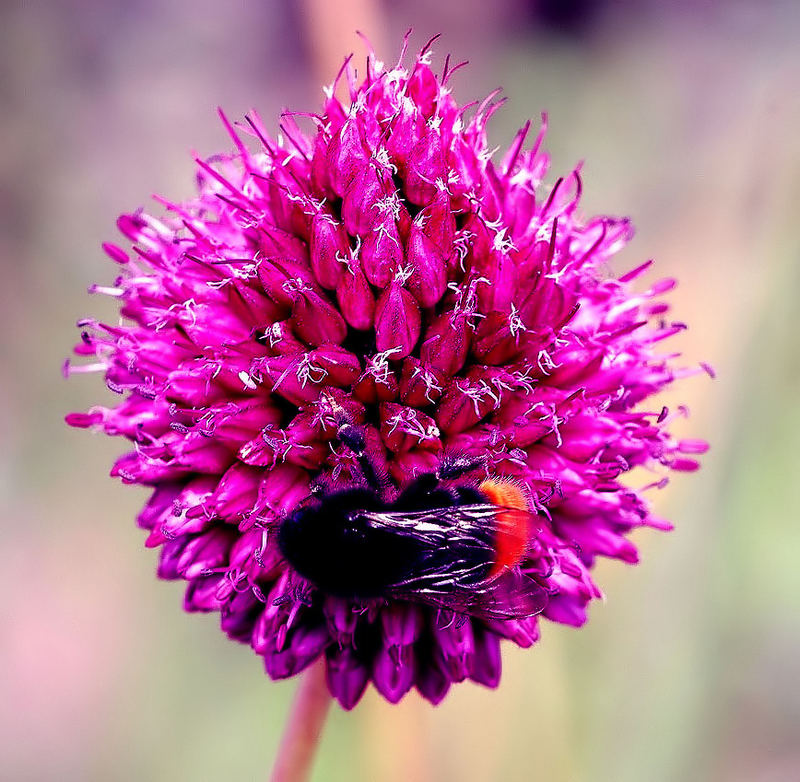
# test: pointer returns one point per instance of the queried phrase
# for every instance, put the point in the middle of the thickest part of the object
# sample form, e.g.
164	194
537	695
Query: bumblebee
441	541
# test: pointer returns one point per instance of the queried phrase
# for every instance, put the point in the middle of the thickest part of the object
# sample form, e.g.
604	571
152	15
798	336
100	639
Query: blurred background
688	117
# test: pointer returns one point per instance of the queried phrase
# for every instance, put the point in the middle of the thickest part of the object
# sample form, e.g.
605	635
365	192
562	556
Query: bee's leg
454	465
353	437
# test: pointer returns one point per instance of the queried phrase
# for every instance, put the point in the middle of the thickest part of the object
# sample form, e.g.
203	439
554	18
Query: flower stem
303	727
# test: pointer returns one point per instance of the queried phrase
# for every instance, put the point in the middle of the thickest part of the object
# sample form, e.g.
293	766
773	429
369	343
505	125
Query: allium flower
384	275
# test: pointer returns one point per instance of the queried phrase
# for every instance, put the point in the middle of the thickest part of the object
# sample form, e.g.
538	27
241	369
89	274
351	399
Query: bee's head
328	534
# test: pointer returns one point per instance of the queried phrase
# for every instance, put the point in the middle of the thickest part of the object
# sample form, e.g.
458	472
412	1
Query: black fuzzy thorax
329	542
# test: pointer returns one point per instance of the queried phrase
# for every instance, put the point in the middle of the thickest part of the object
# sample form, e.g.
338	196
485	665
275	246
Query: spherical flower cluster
384	270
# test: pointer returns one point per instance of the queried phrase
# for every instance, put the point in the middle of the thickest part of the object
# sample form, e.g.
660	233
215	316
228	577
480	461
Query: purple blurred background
688	117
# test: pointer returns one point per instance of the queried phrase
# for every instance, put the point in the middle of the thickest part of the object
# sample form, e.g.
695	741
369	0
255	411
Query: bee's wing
457	545
511	595
452	526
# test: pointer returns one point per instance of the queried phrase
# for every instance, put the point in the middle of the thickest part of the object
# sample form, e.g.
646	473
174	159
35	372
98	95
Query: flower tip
82	420
709	370
115	253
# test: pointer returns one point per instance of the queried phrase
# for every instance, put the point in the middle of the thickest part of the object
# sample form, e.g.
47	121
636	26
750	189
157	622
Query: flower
382	269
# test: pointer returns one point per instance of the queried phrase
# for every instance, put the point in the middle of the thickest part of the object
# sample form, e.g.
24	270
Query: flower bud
328	243
397	321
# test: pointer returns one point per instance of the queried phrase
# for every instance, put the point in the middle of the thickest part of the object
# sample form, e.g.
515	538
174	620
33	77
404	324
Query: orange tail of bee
513	523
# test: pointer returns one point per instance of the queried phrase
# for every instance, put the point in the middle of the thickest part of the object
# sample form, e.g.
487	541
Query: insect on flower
438	542
383	389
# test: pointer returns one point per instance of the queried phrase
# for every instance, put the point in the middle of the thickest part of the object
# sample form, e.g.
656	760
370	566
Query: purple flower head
352	308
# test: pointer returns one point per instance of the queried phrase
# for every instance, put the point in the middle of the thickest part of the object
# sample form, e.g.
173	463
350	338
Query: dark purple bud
358	205
255	306
269	630
202	594
501	289
331	406
196	454
468	171
329	243
170	515
282	488
420	384
565	609
423	89
293	377
525	419
397	321
298	444
428	262
408	127
346	156
316	321
439	223
355	298
342	619
376	449
160	503
341	367
480	241
378	383
464	403
237	492
320	169
549	307
456	646
205	552
575	367
168	558
347	677
445	345
523	632
176	526
253	556
382	250
402	624
497	338
244	423
281	279
130	468
190	387
432	683
239	615
533	260
486	663
426	170
283	246
393	672
403	428
301	648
